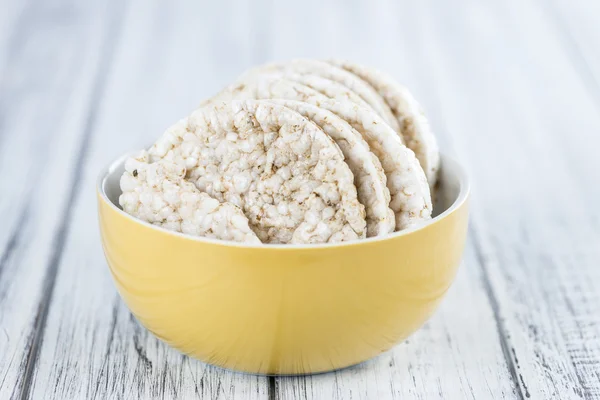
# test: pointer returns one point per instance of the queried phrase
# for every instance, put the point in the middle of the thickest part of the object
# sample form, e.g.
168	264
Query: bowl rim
463	194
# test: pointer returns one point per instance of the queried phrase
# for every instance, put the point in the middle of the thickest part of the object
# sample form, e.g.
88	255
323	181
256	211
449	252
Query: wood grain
46	91
93	348
532	217
511	89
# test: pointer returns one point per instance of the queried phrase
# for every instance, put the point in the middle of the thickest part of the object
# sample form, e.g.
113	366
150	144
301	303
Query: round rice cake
414	127
369	177
406	180
333	73
286	174
327	87
159	194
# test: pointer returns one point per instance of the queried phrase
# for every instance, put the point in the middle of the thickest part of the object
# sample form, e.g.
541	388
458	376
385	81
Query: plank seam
60	238
489	292
15	237
272	388
109	342
517	378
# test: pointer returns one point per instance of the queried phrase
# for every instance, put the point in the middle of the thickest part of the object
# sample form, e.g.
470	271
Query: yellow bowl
284	309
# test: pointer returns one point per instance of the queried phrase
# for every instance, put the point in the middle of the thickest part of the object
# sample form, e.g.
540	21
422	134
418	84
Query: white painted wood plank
520	117
12	13
576	28
43	110
167	61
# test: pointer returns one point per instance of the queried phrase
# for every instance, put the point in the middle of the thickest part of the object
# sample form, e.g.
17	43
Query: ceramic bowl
284	309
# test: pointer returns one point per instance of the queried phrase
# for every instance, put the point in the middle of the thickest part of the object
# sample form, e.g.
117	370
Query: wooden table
512	89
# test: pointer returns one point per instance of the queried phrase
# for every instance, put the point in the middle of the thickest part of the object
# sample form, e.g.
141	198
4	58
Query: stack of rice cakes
299	152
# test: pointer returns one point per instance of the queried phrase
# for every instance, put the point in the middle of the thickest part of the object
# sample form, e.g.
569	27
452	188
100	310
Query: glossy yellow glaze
282	310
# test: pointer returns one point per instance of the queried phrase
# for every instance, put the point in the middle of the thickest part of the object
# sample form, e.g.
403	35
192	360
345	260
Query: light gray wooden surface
512	89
